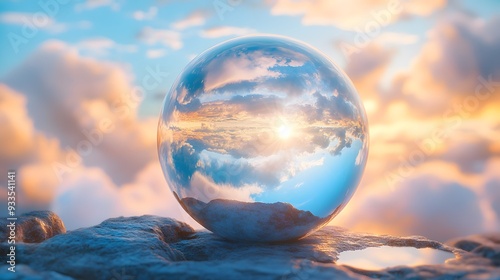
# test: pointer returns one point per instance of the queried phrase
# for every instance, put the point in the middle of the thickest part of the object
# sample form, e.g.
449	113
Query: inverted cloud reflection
254	115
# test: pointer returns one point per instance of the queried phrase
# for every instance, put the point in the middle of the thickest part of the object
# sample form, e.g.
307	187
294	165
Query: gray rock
151	247
25	272
486	245
253	221
33	227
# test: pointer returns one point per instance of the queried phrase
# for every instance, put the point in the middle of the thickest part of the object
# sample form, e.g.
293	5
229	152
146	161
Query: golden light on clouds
430	133
284	131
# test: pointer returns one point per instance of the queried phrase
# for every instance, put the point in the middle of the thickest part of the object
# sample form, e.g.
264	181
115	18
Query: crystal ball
262	139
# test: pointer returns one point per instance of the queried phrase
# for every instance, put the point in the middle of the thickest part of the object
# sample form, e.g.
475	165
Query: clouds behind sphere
63	105
417	71
69	97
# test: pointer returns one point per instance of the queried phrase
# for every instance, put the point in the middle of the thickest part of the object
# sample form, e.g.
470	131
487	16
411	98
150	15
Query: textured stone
486	245
33	227
151	247
263	222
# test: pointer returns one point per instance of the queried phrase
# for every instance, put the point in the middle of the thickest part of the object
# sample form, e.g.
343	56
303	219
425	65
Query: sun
284	131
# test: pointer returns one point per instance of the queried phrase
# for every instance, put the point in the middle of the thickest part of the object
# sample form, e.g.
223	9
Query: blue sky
79	21
417	78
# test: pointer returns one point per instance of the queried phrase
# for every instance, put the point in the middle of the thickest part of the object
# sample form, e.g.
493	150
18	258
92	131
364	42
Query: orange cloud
457	68
16	131
353	14
433	149
50	110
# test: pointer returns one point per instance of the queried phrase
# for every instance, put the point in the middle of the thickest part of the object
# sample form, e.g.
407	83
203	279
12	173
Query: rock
33	227
151	247
253	221
486	245
25	272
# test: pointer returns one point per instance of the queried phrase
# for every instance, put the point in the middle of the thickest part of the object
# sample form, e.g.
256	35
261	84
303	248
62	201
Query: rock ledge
151	247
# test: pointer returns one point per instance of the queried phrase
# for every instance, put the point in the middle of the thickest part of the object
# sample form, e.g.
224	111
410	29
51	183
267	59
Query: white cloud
70	97
145	15
20	18
155	53
34	20
196	18
165	37
433	202
224	31
102	46
239	68
61	99
41	21
94	4
353	14
394	38
79	195
98	45
204	188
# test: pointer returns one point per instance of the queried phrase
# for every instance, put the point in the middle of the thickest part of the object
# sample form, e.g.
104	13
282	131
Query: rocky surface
150	247
33	227
486	245
253	221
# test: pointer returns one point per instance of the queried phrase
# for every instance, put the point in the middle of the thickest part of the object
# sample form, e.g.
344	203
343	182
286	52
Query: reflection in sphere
262	138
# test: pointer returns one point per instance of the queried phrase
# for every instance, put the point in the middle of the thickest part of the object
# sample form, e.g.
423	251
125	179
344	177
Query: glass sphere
262	138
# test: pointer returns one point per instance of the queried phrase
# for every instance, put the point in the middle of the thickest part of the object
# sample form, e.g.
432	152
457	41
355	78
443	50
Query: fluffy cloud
26	150
238	68
430	163
38	20
155	53
196	18
354	14
88	106
168	38
89	196
94	4
458	67
283	70
224	31
426	204
16	132
102	46
394	38
145	15
205	189
372	59
52	104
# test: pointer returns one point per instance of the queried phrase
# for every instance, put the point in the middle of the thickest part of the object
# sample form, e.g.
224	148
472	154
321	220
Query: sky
264	119
82	85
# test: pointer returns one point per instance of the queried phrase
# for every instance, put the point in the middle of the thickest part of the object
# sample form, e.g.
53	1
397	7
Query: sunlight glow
284	131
